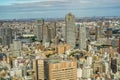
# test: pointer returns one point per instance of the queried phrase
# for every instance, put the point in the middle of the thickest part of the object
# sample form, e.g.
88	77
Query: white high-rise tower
70	35
82	37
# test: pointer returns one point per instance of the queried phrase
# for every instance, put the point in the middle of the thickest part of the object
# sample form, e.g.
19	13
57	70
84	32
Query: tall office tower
16	48
50	35
100	24
39	30
82	37
6	35
54	27
65	70
107	24
51	32
0	40
87	32
70	30
109	33
77	35
119	46
38	67
97	34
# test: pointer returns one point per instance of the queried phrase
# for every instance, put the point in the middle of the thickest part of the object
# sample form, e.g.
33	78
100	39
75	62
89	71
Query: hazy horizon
20	9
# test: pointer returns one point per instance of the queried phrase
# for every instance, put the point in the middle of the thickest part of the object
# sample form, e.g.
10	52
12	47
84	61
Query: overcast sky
18	9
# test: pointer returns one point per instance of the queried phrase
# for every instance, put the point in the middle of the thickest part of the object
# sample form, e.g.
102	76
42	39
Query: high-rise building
70	29
6	36
97	34
51	32
38	68
65	70
0	40
55	27
82	37
16	47
109	33
99	30
100	25
39	30
50	35
119	46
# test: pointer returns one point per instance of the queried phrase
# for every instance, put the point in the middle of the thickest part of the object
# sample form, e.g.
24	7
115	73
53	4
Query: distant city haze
20	9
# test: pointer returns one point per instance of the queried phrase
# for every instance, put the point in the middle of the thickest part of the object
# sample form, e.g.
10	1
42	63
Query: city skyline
66	49
20	9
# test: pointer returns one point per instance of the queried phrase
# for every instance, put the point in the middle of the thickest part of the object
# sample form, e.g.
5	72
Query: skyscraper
97	35
70	35
82	37
51	28
109	33
39	30
119	46
50	35
6	36
16	47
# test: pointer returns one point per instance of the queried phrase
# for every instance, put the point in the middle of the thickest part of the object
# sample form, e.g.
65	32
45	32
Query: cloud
40	5
65	3
30	7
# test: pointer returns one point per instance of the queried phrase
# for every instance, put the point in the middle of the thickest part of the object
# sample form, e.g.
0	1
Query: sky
22	9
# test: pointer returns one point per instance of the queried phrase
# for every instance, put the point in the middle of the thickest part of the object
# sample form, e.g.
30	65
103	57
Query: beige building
62	71
38	68
62	48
